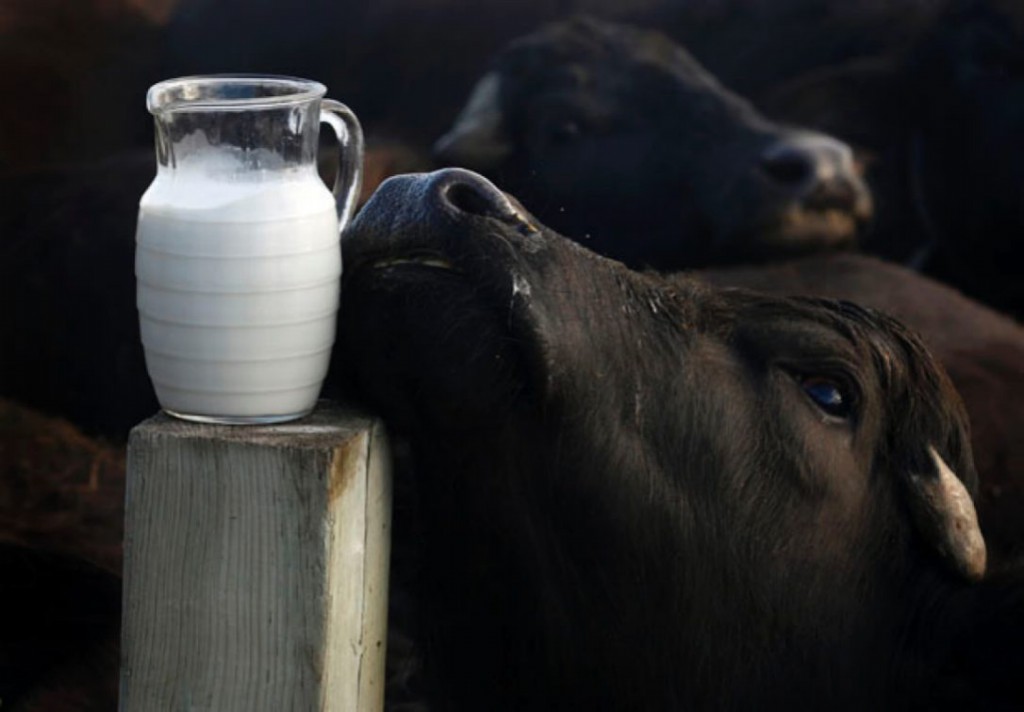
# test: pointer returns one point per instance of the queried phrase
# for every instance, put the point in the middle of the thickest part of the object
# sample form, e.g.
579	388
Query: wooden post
256	563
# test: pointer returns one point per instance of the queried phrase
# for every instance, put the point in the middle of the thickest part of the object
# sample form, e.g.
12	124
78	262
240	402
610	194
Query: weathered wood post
256	563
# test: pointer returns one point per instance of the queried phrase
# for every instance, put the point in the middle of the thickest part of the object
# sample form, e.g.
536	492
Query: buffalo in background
618	138
579	120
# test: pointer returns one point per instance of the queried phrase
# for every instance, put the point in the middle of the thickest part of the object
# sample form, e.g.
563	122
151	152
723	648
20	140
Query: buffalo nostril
464	192
469	199
461	192
789	166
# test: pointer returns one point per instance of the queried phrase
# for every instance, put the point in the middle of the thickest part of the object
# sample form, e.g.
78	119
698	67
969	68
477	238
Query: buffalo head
619	139
638	492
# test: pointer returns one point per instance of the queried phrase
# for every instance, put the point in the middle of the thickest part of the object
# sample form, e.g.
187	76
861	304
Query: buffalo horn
476	140
944	512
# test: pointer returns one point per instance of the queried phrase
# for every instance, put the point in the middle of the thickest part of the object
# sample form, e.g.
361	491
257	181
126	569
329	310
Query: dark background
74	74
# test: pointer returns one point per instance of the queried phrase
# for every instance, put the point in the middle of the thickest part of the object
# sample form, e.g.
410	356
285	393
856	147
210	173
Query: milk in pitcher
238	279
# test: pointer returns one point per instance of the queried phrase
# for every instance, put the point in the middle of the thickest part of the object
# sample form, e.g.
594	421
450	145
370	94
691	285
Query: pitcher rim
158	100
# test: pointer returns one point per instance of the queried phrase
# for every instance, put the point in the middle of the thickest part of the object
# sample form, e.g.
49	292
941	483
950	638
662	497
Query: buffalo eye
828	394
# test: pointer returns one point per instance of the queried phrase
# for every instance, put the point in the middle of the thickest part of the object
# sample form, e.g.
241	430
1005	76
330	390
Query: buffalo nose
817	171
461	192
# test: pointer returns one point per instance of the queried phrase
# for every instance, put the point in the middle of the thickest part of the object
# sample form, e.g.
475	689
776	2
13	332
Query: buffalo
635	491
939	115
618	138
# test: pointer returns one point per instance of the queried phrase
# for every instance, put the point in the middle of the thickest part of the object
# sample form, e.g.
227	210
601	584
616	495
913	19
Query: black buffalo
618	138
635	492
940	115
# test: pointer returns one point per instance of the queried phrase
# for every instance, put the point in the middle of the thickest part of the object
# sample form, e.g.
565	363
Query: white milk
238	282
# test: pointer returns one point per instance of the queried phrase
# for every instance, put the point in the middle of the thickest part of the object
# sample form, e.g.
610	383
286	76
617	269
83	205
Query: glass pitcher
238	259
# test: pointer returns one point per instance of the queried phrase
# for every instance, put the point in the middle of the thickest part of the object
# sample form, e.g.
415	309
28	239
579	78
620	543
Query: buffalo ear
477	140
944	513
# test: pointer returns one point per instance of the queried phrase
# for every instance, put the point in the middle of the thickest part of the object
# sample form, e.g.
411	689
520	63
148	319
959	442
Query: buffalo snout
817	172
799	193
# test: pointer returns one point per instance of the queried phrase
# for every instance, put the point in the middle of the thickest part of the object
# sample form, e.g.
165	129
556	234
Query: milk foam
238	278
215	190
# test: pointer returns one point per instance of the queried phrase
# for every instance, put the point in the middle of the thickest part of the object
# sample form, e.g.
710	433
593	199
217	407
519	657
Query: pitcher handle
350	157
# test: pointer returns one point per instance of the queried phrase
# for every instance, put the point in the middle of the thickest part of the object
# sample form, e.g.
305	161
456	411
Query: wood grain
256	562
